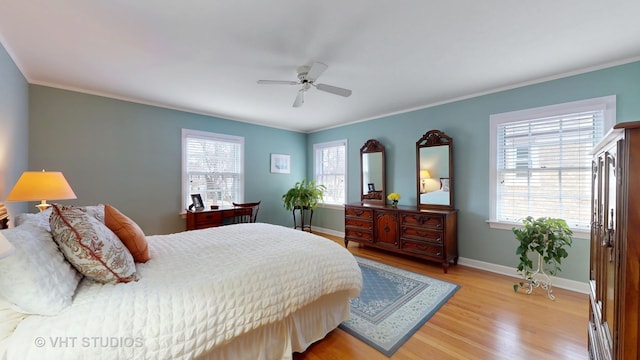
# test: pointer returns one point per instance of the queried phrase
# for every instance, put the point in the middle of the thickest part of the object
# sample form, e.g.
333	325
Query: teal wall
14	142
467	122
129	155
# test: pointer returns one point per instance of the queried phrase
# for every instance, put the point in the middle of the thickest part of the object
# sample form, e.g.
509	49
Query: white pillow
39	219
36	277
42	218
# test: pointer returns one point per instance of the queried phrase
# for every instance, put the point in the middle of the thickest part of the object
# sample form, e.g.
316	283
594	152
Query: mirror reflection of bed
440	196
434	170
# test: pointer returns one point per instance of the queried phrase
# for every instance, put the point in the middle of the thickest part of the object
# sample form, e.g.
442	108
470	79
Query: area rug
393	305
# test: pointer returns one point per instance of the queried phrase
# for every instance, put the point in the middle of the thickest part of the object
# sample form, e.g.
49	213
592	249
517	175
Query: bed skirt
293	334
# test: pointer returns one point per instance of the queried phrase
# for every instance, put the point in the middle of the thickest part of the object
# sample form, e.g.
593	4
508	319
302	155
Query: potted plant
305	197
547	237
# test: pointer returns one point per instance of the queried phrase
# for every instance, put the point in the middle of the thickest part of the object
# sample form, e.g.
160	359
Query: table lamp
43	186
424	175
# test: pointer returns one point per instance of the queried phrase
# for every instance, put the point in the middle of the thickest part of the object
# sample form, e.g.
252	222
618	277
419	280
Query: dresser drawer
433	221
422	248
358	235
358	223
207	219
422	234
359	213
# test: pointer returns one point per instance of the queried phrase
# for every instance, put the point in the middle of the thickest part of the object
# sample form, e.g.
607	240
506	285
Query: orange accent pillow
129	233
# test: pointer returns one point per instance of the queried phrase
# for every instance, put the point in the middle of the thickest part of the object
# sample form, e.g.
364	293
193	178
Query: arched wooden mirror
372	172
434	170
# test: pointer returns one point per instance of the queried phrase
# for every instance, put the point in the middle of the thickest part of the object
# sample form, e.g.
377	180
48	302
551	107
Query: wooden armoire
614	277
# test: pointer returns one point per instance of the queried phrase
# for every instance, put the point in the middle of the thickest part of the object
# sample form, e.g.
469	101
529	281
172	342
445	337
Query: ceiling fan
307	76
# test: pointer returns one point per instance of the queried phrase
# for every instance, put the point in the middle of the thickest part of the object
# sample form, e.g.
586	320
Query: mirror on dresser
372	172
434	170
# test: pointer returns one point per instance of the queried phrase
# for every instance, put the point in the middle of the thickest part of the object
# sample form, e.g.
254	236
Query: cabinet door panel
386	228
609	245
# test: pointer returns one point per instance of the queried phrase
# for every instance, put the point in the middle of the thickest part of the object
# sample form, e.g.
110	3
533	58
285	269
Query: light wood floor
484	319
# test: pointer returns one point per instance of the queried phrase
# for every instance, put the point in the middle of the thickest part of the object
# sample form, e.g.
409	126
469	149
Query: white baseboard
572	285
328	231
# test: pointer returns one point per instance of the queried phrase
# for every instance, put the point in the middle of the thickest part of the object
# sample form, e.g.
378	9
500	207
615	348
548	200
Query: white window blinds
330	170
544	167
213	167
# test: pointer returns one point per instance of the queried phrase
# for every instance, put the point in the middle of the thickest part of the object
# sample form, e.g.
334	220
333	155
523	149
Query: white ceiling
205	56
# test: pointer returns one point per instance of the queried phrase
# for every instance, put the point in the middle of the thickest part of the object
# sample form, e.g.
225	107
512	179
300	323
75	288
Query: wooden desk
203	219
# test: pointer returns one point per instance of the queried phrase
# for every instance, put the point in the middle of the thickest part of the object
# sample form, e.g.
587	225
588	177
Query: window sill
577	233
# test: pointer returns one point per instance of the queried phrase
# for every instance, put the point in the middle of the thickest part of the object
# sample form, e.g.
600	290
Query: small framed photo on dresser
197	203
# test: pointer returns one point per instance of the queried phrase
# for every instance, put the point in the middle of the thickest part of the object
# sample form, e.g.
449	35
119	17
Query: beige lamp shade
42	186
424	174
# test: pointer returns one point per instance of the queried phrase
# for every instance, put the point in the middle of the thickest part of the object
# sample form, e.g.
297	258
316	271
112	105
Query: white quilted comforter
199	290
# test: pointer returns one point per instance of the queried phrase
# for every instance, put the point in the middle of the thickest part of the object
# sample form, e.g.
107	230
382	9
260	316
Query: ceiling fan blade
334	90
316	70
278	82
299	99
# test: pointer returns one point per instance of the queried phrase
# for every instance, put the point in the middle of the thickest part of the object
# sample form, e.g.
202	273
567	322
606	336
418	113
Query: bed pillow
36	278
129	233
444	184
93	249
39	219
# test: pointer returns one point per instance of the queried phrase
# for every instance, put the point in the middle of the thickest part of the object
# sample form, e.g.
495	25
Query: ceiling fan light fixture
307	75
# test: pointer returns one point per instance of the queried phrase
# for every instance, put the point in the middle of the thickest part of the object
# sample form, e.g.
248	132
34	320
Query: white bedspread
437	197
200	289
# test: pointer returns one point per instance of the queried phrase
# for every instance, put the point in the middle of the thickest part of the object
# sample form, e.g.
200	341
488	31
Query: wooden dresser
427	234
614	277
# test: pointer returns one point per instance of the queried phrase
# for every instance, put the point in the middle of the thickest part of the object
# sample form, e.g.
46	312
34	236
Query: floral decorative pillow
444	184
93	249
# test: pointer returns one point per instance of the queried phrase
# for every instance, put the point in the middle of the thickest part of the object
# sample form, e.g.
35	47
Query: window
330	168
541	161
212	166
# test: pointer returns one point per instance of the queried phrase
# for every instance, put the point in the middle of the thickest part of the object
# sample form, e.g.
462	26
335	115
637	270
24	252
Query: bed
439	197
442	196
245	291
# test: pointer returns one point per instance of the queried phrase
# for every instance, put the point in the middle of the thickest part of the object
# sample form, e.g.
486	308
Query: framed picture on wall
280	163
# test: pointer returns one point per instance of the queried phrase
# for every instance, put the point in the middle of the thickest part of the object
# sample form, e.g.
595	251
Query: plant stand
539	279
303	225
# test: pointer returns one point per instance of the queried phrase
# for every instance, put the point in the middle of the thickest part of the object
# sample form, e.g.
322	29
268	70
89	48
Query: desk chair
247	212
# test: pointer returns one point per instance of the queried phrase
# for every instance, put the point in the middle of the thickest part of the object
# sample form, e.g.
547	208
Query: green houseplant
548	238
303	196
